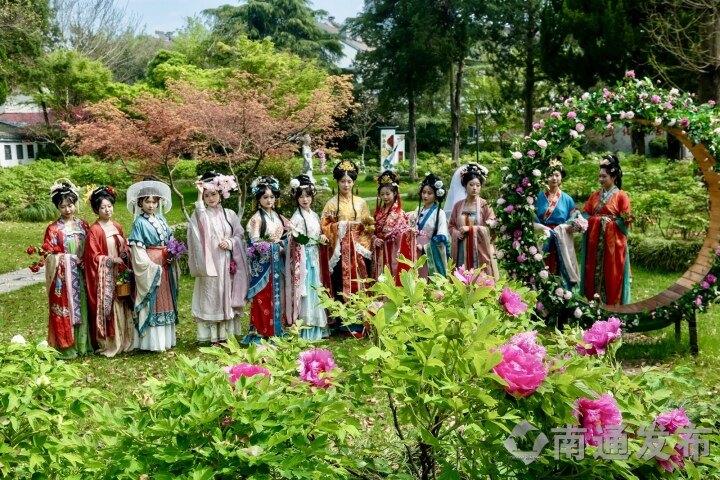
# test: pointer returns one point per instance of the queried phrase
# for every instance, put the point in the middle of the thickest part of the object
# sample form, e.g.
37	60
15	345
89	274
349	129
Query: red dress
393	228
605	258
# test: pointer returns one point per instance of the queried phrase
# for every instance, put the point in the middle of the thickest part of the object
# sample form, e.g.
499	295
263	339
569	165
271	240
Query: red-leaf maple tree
245	122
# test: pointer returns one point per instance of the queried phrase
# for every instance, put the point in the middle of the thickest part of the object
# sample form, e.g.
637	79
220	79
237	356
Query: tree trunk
637	140
529	88
412	136
456	78
710	79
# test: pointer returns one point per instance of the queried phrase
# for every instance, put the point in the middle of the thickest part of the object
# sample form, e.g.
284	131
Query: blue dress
551	213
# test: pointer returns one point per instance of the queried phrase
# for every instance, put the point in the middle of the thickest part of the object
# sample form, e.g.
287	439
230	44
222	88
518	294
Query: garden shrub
39	211
662	255
197	424
41	408
658	146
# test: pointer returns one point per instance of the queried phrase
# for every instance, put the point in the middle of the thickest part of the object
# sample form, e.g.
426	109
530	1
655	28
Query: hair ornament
294	183
555	163
63	185
347	165
224	184
264	182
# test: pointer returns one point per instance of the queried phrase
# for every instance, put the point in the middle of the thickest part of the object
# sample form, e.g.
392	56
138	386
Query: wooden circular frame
697	272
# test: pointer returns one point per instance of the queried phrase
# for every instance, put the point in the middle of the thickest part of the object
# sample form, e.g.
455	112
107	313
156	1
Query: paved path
21	278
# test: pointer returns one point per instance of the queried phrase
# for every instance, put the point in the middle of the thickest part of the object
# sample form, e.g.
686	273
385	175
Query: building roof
22	119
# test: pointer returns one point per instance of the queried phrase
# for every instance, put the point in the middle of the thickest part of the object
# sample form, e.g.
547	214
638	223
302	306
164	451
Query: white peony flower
517	155
533	250
573	134
567	295
42	381
536	173
530	200
585	96
580	127
499	254
630	115
500	201
44	343
657	122
578	313
538	257
542	143
559	292
544	274
674	91
608	118
19	339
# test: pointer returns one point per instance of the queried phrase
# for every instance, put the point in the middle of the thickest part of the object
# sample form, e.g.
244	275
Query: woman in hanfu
557	216
217	259
266	263
68	329
605	258
393	234
469	228
307	270
156	278
433	238
348	226
106	255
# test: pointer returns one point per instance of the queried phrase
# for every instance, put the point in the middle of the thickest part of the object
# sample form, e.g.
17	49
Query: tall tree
239	124
587	41
25	29
404	60
290	24
688	31
512	40
460	23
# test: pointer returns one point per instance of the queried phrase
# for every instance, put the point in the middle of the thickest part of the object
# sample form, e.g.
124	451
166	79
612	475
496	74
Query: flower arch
631	101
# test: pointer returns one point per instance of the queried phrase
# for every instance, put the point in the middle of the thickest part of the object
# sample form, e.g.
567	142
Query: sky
169	15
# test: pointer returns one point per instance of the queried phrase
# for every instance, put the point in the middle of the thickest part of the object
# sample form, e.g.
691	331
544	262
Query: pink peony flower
531	153
704	285
511	301
571	115
630	74
580	127
314	365
556	115
600	335
245	370
655	99
509	209
711	278
596	415
468	277
522	366
711	103
530	200
522	258
539	306
670	422
699	301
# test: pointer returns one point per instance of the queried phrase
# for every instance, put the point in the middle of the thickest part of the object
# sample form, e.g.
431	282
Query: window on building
8	152
20	153
31	151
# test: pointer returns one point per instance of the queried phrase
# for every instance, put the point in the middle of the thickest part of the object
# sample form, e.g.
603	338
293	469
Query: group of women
285	263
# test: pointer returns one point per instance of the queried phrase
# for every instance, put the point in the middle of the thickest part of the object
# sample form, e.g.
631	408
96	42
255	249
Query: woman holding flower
393	234
217	259
605	258
433	238
156	278
557	216
348	225
68	329
106	256
306	269
469	224
266	263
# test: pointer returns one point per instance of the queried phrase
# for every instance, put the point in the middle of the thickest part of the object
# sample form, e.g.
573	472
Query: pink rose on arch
599	336
684	122
555	115
630	74
522	365
655	99
245	370
314	366
509	209
596	415
511	301
574	133
522	258
571	115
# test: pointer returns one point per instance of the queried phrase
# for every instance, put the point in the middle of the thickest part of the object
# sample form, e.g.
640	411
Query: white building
351	46
16	146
